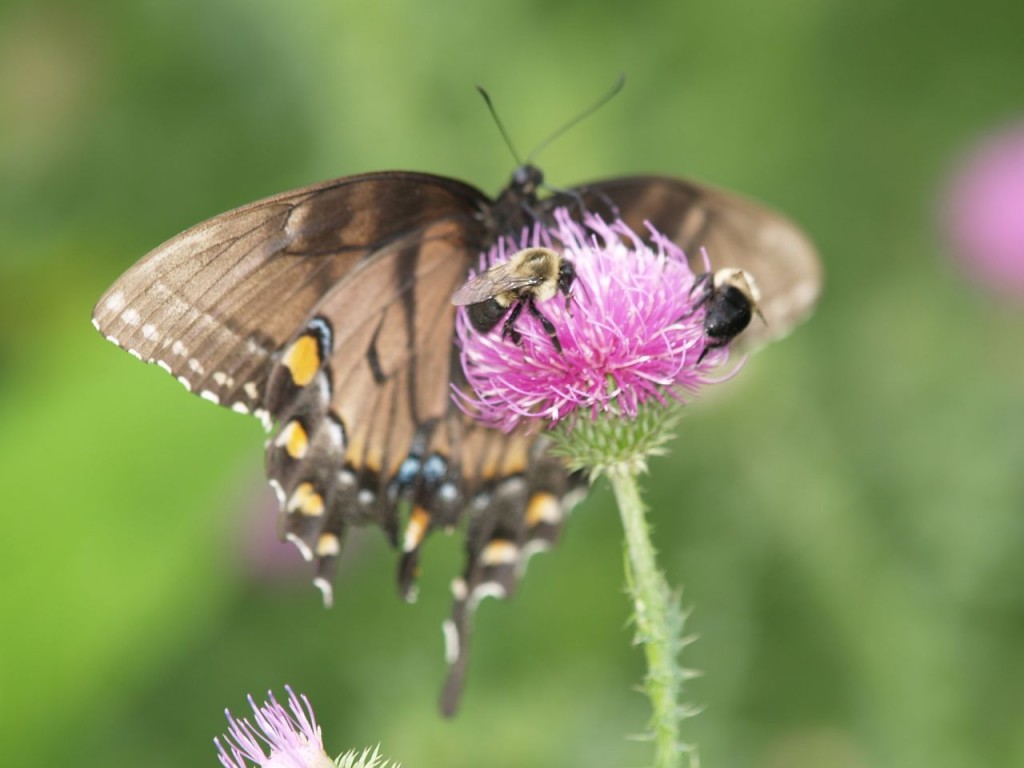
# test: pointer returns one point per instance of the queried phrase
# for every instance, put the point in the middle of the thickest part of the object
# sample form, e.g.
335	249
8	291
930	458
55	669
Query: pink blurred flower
985	211
633	332
293	738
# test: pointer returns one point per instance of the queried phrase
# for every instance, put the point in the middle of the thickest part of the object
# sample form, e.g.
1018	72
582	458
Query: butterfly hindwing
525	498
381	379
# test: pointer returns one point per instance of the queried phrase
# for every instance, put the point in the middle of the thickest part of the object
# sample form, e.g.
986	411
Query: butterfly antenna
501	125
621	81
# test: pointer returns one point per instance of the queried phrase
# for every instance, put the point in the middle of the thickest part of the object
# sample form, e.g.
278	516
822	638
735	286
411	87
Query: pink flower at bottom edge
293	737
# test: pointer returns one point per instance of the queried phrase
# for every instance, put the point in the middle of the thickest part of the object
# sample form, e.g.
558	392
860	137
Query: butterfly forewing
214	304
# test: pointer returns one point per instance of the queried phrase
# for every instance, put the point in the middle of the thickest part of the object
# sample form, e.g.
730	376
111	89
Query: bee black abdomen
485	315
728	313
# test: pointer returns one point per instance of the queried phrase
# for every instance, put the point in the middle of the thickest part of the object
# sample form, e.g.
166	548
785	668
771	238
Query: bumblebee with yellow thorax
532	275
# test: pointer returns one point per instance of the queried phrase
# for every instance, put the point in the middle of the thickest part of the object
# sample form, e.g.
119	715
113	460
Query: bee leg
711	345
509	329
700	283
613	209
549	327
577	197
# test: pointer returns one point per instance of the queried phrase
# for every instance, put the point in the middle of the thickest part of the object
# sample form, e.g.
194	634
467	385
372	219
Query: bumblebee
531	276
730	298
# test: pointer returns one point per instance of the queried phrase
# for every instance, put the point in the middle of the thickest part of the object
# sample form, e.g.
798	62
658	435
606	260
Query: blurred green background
846	516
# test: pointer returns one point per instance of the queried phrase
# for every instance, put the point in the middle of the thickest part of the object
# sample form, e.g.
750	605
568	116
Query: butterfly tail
529	520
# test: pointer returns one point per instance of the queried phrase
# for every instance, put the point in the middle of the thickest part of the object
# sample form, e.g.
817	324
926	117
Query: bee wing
495	280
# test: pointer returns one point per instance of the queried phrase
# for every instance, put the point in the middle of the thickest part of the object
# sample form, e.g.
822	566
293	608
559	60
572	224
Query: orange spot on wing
416	529
543	507
499	552
294	439
303	359
328	545
306	500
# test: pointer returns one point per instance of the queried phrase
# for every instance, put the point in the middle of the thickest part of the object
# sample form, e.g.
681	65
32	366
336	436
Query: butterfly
327	313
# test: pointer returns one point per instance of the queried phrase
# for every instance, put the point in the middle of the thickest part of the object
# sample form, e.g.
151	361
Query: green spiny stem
619	448
658	620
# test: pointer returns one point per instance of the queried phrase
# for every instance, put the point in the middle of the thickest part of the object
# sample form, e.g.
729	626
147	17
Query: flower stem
658	619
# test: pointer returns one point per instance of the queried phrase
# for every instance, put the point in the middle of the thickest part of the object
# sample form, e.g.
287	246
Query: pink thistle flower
293	737
985	212
633	332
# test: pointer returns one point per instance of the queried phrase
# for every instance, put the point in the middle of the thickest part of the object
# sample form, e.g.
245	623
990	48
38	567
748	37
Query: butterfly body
517	205
327	313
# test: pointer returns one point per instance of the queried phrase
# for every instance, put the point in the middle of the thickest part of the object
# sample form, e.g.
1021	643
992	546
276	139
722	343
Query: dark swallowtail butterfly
327	312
